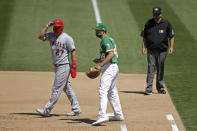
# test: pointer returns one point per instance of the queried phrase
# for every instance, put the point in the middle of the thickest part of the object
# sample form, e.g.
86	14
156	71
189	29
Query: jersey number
59	52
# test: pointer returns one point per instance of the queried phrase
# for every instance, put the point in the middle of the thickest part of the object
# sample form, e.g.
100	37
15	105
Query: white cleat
42	112
117	118
72	113
100	121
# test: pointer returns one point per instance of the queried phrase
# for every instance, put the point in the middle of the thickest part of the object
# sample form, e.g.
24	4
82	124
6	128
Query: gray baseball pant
155	60
62	82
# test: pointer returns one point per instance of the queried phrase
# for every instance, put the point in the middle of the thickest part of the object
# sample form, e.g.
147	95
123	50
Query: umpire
155	35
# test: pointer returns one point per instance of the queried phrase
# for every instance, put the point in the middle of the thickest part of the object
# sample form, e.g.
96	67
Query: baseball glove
93	72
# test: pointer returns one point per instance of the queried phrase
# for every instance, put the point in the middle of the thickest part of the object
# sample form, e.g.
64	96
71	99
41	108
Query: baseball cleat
72	113
162	91
42	112
100	121
148	92
116	118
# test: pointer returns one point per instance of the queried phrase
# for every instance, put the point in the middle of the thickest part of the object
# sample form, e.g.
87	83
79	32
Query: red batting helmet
58	26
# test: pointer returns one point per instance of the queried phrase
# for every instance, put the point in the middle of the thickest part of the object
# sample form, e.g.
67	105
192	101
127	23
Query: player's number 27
59	52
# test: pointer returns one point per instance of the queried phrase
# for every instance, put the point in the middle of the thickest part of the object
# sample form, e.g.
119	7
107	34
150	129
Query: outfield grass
24	51
5	6
186	11
21	50
180	68
124	30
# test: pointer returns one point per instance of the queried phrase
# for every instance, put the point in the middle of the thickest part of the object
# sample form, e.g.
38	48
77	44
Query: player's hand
143	51
98	67
51	22
170	52
97	60
73	69
73	72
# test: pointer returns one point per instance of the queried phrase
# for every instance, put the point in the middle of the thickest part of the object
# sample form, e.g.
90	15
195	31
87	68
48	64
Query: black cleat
161	91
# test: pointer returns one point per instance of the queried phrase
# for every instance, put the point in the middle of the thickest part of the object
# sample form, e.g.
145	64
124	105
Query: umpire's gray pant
155	60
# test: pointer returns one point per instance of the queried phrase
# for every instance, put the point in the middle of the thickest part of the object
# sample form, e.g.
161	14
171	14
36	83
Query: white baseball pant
108	91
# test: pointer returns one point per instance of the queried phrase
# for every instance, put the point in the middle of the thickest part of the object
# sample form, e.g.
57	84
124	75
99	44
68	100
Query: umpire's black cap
157	10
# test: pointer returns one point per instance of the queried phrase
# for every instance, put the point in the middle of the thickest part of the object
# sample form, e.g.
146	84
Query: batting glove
51	22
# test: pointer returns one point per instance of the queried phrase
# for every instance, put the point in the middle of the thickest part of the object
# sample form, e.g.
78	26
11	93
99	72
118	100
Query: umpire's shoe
148	92
161	91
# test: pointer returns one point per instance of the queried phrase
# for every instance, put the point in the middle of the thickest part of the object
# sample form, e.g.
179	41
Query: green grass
6	9
21	50
186	11
123	29
180	68
24	51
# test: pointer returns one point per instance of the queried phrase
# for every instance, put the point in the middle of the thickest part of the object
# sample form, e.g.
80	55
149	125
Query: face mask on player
99	34
58	30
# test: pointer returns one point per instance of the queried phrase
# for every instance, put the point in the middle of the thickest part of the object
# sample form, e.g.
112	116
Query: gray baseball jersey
60	47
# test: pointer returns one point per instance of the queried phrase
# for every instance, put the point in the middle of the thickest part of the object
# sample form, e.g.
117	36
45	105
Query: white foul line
96	11
172	121
123	127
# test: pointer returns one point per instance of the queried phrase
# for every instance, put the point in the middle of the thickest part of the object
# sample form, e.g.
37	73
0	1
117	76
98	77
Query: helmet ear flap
62	28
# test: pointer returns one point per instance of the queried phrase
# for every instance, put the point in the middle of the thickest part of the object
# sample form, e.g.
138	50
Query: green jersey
107	44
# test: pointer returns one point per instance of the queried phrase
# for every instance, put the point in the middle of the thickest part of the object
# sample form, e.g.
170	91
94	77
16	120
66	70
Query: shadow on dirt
81	120
36	114
134	92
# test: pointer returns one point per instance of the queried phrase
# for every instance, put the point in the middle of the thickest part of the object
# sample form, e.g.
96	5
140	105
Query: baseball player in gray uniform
61	45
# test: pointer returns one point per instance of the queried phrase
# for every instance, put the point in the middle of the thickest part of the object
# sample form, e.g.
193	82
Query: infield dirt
21	93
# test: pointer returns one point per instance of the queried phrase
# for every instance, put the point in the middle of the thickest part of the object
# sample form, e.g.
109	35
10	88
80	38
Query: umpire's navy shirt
157	34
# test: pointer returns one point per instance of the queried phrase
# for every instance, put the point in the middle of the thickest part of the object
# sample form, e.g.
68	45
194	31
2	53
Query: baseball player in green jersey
107	90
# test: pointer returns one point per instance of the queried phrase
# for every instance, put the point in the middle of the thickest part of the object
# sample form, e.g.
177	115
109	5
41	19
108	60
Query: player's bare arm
107	59
73	55
143	46
171	46
42	33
